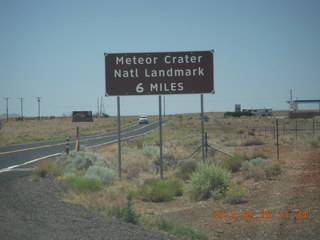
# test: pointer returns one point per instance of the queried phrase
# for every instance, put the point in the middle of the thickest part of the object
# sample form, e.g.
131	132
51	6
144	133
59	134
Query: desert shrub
233	163
178	229
255	168
206	179
160	190
315	141
82	160
236	195
272	170
47	168
104	174
83	184
252	142
256	162
128	213
169	161
186	168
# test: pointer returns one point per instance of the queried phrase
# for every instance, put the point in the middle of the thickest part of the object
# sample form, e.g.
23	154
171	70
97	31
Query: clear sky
54	49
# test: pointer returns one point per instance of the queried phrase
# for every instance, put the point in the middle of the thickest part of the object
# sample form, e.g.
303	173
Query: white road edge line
8	169
31	161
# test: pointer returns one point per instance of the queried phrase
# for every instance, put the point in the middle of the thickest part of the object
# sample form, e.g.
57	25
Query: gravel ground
34	210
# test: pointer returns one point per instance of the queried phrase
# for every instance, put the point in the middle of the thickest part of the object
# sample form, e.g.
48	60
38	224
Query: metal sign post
119	137
1	126
160	133
202	131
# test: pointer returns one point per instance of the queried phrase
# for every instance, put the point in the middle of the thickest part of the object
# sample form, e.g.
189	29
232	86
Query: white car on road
143	120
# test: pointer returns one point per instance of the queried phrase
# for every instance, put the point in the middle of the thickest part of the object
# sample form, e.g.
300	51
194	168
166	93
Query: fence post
313	130
296	129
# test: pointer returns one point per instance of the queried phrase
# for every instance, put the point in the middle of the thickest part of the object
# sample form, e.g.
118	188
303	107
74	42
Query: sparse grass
46	168
179	229
57	128
83	184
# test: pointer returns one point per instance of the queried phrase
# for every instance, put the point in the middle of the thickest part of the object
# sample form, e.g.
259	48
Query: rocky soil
34	211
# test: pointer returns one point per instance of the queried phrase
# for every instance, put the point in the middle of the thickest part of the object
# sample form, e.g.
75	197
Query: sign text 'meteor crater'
159	73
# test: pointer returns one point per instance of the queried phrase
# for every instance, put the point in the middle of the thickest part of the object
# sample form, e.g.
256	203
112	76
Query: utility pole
38	99
21	100
7	102
98	113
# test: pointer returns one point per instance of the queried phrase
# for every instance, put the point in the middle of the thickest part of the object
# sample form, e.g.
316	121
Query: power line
21	100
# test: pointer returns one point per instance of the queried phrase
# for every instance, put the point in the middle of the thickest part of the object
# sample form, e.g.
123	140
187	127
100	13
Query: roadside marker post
67	146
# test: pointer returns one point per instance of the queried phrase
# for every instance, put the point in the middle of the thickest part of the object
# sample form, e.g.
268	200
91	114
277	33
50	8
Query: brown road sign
159	73
82	116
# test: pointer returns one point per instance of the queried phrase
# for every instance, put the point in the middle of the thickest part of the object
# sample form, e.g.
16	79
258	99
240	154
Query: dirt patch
287	207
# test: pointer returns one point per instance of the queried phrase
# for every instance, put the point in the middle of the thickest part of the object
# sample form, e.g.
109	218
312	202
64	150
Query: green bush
272	170
83	184
104	174
207	179
160	190
233	163
179	229
236	195
128	214
186	168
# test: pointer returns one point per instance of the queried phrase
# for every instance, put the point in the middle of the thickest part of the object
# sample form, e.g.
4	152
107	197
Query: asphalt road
18	157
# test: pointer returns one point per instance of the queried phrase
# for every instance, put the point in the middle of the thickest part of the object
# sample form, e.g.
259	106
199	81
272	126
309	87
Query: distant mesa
4	116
